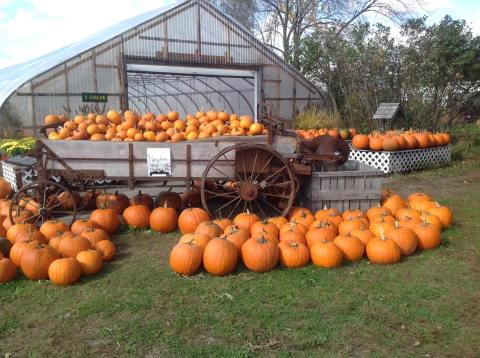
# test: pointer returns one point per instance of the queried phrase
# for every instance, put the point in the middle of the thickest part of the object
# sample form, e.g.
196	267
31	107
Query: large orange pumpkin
70	246
246	220
107	249
106	219
186	258
137	216
326	254
36	260
220	257
64	272
260	255
91	261
293	254
190	218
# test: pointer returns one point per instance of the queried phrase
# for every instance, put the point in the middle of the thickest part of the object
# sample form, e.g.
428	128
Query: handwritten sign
159	162
94	97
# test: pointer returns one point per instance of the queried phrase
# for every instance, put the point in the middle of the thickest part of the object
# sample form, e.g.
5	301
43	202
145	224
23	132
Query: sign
94	97
159	162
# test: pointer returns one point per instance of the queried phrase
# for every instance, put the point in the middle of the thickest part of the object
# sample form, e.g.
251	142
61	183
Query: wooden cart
233	174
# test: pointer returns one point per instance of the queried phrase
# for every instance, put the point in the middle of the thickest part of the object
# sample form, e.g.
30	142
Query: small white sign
159	162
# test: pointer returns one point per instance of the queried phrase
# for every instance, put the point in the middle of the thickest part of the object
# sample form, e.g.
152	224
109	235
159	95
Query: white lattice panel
8	169
405	160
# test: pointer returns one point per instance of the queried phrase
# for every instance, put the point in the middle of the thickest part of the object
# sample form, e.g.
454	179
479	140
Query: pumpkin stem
397	225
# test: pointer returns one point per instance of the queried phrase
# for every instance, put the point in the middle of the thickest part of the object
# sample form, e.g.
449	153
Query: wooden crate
354	185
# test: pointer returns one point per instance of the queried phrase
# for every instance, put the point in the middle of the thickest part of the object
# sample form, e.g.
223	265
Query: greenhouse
186	56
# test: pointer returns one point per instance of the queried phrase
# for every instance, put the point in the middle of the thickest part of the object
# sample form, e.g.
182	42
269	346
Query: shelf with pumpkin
130	126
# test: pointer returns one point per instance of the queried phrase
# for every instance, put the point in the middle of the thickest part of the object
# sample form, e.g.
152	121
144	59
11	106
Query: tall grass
315	118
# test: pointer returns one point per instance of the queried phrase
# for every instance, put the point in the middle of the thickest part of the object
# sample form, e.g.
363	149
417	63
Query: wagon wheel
248	177
45	201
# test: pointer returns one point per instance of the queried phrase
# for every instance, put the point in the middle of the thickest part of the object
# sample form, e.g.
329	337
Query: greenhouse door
162	88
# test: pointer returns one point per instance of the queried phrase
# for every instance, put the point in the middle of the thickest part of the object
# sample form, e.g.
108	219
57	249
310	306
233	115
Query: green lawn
427	305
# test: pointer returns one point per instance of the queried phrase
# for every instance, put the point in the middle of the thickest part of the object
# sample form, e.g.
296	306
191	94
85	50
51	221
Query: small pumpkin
404	237
137	216
107	249
91	261
322	214
106	219
260	227
95	235
5	188
443	213
326	254
246	220
209	228
363	235
143	199
293	236
293	254
407	213
220	257
419	197
81	225
347	226
304	217
353	214
190	218
51	228
36	260
69	200
54	242
8	270
14	230
352	248
223	223
392	201
164	219
117	202
186	258
292	225
260	254
30	235
65	272
278	221
70	246
383	251
428	235
197	239
18	249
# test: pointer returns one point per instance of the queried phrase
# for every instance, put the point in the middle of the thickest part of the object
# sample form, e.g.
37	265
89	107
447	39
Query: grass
425	305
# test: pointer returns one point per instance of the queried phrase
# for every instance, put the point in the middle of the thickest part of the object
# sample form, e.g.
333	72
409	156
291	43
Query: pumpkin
352	248
363	234
209	228
197	239
324	231
404	237
70	246
421	205
278	221
292	225
164	219
347	226
334	218
118	202
443	213
191	198
390	144
360	141
409	213
51	228
107	249
378	210
95	235
379	228
419	197
392	202
81	225
431	219
246	220
101	200
30	235
220	256
379	218
293	254
186	258
36	260
260	255
54	242
143	199
409	222
233	229
65	272
8	270
375	144
383	251
14	230
266	235
223	223
353	214
260	227
304	217
89	199
106	219
69	200
326	254
292	235
190	218
428	236
5	188
18	249
91	261
5	246
137	216
238	239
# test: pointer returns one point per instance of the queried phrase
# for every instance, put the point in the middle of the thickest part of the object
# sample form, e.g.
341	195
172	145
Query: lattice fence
9	174
405	160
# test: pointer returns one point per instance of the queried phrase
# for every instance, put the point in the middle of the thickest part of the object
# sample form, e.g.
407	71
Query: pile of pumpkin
343	133
393	141
115	127
383	234
56	251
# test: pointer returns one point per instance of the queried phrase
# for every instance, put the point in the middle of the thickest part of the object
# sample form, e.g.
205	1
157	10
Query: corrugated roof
13	77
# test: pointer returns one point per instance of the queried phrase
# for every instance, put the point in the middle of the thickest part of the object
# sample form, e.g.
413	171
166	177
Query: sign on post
94	97
159	162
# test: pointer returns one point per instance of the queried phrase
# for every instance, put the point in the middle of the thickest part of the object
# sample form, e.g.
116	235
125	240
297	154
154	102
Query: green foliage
466	141
315	118
10	124
13	147
434	71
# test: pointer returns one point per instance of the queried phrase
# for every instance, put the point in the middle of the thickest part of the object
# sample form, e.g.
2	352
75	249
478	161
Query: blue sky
31	28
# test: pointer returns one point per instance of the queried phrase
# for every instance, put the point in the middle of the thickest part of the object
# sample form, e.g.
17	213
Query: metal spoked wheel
248	177
44	200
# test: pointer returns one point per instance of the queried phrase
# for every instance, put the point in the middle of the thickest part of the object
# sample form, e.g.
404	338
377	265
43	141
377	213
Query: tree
283	24
9	121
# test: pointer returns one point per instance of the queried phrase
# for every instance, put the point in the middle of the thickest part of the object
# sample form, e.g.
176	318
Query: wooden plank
346	195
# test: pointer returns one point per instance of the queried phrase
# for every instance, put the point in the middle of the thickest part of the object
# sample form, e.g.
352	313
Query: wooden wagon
232	174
